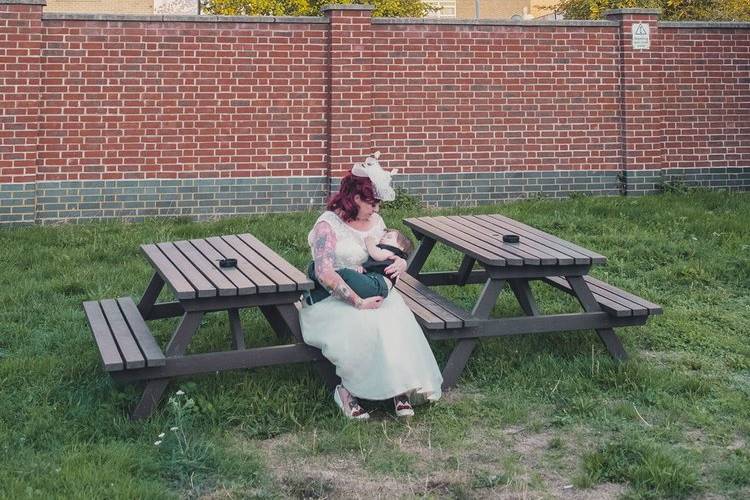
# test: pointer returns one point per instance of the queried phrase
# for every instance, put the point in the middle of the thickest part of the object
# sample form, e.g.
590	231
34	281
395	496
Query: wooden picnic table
191	269
536	256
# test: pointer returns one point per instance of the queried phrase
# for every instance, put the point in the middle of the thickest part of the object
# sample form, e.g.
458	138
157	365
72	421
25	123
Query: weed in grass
735	469
652	470
490	480
307	487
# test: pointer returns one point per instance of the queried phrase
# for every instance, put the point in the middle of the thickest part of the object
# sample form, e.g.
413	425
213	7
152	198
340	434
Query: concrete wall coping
704	24
23	2
65	16
492	22
651	12
337	6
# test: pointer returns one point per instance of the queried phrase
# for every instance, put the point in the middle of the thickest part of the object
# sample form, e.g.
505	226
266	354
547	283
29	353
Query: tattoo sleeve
323	248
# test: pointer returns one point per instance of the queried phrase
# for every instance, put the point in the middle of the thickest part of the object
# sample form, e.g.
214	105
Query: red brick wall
706	97
20	42
464	99
153	99
139	99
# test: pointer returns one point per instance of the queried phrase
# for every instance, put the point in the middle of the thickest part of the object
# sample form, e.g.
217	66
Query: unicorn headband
381	180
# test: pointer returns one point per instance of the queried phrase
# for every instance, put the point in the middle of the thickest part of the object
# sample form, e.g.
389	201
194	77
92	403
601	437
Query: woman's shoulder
329	217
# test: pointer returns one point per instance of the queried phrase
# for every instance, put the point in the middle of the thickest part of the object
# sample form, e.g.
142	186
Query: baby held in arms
369	279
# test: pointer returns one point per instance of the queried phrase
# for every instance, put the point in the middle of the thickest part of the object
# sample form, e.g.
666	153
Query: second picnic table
536	256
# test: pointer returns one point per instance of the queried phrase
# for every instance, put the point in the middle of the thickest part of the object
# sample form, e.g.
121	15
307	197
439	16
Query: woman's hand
395	269
370	302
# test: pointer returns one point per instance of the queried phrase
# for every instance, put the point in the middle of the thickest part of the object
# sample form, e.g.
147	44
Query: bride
376	344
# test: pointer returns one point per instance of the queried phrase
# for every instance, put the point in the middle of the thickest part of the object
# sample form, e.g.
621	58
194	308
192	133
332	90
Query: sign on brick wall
641	36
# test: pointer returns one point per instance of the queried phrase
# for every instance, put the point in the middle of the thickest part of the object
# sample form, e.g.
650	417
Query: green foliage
673	10
383	8
404	202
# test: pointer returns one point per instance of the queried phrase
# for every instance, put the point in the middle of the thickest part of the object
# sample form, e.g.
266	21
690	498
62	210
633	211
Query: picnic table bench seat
124	340
615	301
432	311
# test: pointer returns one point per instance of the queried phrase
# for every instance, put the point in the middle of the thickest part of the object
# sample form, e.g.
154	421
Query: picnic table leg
589	304
154	389
150	295
284	319
522	291
419	257
458	358
238	334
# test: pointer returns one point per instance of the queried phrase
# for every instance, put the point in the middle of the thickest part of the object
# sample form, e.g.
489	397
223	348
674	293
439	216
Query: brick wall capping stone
66	16
704	24
338	6
23	2
493	22
634	11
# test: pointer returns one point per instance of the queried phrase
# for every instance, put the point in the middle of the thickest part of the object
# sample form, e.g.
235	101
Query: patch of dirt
479	469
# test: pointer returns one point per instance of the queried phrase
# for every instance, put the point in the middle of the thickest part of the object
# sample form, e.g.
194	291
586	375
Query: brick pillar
641	92
350	86
20	66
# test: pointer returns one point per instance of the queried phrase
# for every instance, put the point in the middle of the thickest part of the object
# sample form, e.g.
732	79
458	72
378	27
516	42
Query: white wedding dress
378	353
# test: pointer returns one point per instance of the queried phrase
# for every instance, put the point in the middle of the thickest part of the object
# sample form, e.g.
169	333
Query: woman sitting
375	343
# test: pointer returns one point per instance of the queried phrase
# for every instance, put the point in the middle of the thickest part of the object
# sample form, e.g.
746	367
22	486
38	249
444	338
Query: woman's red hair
343	201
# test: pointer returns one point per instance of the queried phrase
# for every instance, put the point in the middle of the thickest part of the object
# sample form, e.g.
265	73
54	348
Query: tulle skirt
378	353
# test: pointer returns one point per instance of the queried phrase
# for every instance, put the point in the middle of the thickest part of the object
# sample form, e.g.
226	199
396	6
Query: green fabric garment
365	285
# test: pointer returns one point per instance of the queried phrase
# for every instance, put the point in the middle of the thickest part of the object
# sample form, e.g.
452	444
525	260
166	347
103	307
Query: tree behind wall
673	10
383	8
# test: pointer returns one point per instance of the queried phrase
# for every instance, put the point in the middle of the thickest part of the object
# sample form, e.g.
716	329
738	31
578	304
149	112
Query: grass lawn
546	417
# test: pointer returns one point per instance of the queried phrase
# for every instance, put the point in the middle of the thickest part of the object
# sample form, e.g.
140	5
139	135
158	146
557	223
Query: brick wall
97	106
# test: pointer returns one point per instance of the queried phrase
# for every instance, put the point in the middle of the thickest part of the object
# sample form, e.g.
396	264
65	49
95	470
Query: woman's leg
349	404
402	406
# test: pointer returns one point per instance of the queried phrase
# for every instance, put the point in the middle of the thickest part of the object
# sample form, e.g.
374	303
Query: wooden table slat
303	282
244	285
638	309
611	306
494	231
151	350
171	275
601	285
595	257
203	287
482	255
539	240
450	320
111	358
283	282
261	281
428	318
209	268
448	305
491	238
130	351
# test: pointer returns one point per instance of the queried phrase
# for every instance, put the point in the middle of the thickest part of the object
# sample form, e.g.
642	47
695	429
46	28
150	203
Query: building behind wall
144	7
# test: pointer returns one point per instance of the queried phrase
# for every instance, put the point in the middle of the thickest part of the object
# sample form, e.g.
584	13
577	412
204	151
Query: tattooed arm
323	247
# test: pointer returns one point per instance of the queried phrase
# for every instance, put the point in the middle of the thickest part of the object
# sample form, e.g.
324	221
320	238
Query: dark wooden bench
613	300
124	340
432	311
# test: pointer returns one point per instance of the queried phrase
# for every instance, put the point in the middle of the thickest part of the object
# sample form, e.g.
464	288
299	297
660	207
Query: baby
369	279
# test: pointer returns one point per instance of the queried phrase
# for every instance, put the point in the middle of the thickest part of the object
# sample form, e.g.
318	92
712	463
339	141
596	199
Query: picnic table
261	278
536	256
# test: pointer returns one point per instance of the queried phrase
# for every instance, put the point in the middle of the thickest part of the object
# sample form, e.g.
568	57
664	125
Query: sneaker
351	409
403	406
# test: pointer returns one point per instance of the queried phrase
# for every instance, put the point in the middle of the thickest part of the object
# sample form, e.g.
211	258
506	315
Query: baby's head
397	239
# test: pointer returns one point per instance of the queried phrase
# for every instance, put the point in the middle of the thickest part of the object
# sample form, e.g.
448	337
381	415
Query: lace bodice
350	243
